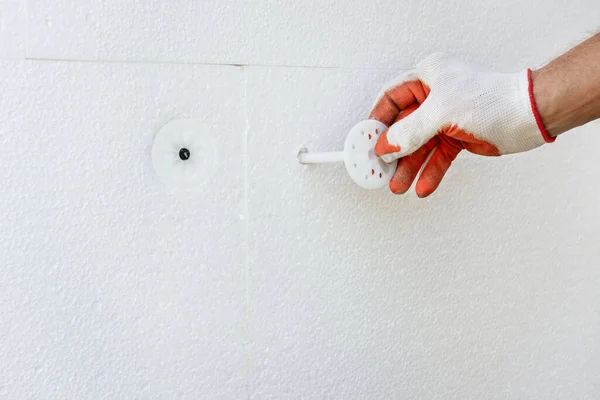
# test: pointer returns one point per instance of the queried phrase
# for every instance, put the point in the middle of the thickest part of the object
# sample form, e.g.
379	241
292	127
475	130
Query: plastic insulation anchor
364	167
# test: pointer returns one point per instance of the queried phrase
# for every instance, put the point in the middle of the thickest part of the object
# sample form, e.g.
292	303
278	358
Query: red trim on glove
536	113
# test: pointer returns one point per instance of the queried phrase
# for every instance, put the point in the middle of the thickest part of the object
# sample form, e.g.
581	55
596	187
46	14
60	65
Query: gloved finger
432	65
407	135
409	166
471	143
437	166
397	96
407	111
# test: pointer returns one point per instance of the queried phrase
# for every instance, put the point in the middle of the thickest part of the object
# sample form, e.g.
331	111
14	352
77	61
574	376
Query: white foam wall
277	280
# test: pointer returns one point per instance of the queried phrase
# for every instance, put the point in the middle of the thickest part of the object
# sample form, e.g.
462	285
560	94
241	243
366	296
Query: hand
444	106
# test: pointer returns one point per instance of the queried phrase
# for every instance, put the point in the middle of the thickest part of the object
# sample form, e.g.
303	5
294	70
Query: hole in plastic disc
184	154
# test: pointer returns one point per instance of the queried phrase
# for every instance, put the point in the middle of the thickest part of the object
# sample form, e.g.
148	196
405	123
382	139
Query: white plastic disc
184	153
364	167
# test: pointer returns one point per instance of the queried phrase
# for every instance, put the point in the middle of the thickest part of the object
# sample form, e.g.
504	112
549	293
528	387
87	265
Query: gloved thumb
406	135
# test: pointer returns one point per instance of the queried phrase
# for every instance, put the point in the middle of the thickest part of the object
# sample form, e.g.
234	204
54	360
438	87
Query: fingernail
396	188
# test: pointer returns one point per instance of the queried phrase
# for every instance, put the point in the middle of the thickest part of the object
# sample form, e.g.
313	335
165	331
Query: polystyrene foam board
351	33
484	290
13	29
114	285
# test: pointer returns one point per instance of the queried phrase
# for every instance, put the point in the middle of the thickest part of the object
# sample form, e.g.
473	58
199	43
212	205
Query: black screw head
184	154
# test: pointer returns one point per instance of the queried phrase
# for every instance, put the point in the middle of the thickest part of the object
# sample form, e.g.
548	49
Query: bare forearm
567	91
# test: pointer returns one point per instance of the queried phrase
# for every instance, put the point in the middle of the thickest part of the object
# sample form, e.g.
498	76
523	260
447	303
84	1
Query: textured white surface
13	25
489	289
277	280
349	33
111	286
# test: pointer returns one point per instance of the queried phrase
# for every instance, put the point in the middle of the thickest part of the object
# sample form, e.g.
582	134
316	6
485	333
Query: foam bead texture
13	23
352	33
113	286
273	280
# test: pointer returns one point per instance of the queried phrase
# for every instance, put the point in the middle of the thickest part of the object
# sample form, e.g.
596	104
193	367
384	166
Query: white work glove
444	106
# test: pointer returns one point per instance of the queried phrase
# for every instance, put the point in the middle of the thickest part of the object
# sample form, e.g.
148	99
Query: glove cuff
536	113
